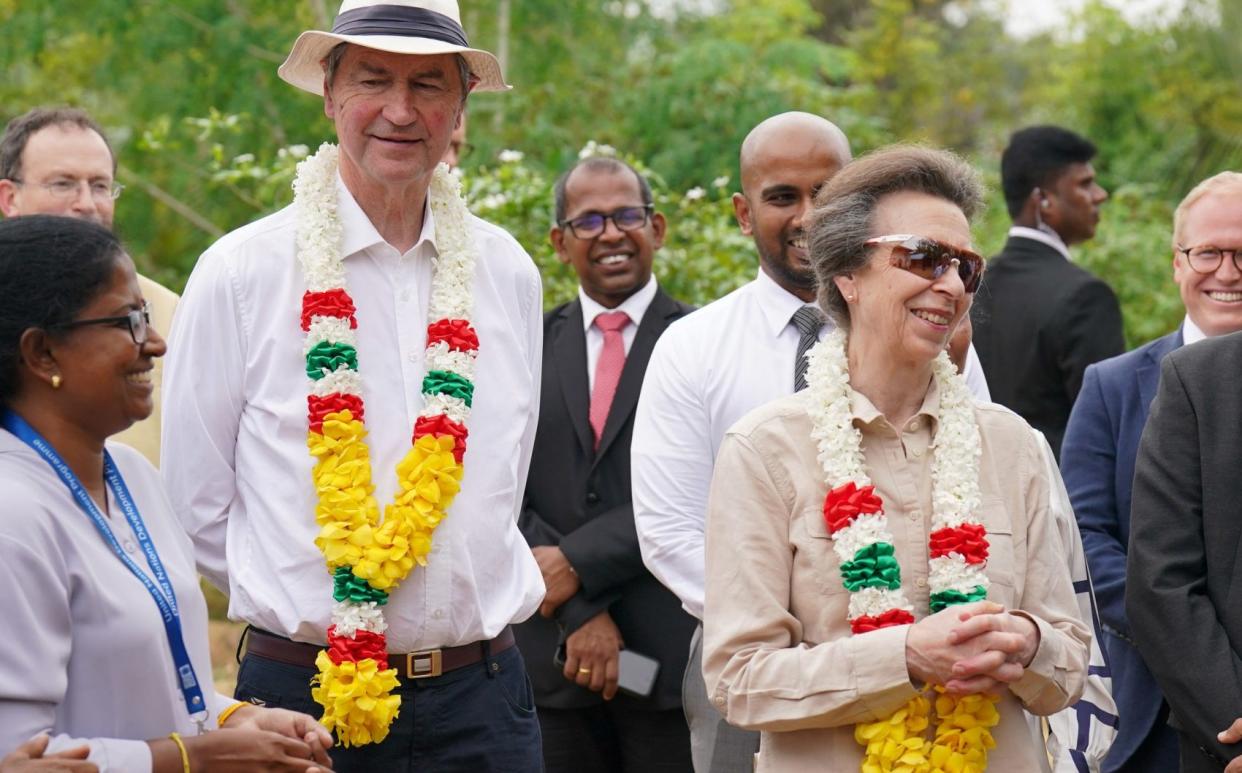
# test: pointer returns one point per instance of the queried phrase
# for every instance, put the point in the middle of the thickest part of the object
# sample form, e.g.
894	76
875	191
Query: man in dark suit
1185	538
1039	320
1101	443
578	516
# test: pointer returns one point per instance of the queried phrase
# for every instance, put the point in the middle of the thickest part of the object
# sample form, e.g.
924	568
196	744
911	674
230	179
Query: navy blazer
1097	464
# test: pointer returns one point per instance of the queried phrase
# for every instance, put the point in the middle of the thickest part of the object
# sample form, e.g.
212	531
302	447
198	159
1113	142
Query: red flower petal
457	333
888	619
969	540
846	502
333	303
364	644
319	407
443	425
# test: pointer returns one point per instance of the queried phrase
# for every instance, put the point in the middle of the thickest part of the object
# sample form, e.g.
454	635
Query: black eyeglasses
929	258
1206	259
592	224
137	320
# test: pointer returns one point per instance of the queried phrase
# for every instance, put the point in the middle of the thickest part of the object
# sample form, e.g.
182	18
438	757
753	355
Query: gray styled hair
845	207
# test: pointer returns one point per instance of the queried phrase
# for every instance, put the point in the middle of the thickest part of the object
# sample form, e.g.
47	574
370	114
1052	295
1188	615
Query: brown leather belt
409	665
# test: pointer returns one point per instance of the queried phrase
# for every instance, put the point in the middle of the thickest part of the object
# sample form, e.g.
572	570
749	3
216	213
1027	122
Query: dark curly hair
50	269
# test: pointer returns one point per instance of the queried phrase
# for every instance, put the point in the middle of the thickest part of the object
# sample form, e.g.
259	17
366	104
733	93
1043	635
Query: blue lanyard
163	595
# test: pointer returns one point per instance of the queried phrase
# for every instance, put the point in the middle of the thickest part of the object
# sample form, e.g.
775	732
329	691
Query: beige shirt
145	435
778	655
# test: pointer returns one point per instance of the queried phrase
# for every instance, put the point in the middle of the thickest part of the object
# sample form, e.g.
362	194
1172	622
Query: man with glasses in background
57	161
1098	464
577	513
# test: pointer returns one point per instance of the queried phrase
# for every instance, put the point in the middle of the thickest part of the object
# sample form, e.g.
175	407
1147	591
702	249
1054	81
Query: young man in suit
1101	444
1040	320
577	515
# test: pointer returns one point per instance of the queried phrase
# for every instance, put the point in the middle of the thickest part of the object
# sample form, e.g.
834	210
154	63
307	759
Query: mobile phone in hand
636	673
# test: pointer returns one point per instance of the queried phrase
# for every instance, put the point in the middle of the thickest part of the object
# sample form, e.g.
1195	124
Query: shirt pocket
1001	567
816	559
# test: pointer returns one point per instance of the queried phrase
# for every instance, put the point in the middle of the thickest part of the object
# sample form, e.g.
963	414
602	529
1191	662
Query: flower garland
958	550
367	557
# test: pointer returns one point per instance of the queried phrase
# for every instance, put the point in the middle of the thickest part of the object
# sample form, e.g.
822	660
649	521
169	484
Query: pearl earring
56	381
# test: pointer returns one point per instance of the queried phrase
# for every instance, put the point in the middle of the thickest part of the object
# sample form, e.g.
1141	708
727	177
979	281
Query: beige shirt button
916	515
920	582
918	452
719	701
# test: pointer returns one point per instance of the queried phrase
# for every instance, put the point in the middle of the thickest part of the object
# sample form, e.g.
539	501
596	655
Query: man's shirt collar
358	233
1048	237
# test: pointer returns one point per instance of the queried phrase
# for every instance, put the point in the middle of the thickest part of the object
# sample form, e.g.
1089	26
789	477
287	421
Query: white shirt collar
1191	333
358	233
1048	237
777	304
635	306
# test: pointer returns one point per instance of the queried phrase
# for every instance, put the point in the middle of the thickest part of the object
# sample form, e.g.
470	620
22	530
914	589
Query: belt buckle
423	665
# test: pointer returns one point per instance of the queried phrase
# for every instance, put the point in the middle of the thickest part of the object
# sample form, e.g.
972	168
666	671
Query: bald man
719	363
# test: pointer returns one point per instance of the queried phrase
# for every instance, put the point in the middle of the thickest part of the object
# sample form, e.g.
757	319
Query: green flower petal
326	357
348	587
444	382
950	598
873	567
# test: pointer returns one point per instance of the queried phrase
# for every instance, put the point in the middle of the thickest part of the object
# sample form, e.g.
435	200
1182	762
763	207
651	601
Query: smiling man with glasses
57	161
1098	462
577	514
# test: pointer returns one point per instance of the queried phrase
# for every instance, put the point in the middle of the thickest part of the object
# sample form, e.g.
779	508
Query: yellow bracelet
185	756
224	715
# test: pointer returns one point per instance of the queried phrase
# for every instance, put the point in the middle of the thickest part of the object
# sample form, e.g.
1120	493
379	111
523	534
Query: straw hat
426	27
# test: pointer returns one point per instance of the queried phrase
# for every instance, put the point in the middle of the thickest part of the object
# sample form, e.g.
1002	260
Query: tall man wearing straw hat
351	415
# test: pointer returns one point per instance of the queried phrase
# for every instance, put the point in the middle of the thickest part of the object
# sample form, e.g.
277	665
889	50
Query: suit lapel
569	350
655	320
1149	373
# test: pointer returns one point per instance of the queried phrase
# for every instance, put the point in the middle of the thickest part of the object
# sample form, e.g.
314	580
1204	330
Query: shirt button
439	613
920	582
405	296
129	546
918	452
719	701
916	515
414	357
592	497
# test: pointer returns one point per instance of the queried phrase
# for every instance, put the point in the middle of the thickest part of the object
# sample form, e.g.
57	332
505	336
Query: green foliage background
207	134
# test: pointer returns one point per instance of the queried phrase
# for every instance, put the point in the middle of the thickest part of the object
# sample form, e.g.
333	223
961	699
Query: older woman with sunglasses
883	592
106	629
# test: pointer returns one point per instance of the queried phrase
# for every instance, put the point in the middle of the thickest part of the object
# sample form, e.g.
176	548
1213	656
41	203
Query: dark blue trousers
476	719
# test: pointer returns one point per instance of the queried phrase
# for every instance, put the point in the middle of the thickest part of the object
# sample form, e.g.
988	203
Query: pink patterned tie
608	368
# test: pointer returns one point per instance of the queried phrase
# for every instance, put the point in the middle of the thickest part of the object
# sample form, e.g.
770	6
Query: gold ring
584	671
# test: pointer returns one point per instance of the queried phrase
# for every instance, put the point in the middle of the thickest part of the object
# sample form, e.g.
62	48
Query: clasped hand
558	576
592	655
256	739
971	648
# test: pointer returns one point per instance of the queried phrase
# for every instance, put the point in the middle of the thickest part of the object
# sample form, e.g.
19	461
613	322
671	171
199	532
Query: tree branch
173	203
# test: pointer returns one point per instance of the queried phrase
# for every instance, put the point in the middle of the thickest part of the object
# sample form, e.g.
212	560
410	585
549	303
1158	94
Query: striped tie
809	320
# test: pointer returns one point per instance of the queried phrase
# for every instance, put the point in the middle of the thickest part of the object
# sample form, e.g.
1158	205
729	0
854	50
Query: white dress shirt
708	370
88	660
635	307
234	447
1191	333
1044	236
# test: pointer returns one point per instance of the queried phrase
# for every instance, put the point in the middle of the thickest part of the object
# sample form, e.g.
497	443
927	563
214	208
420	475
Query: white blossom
511	156
695	193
